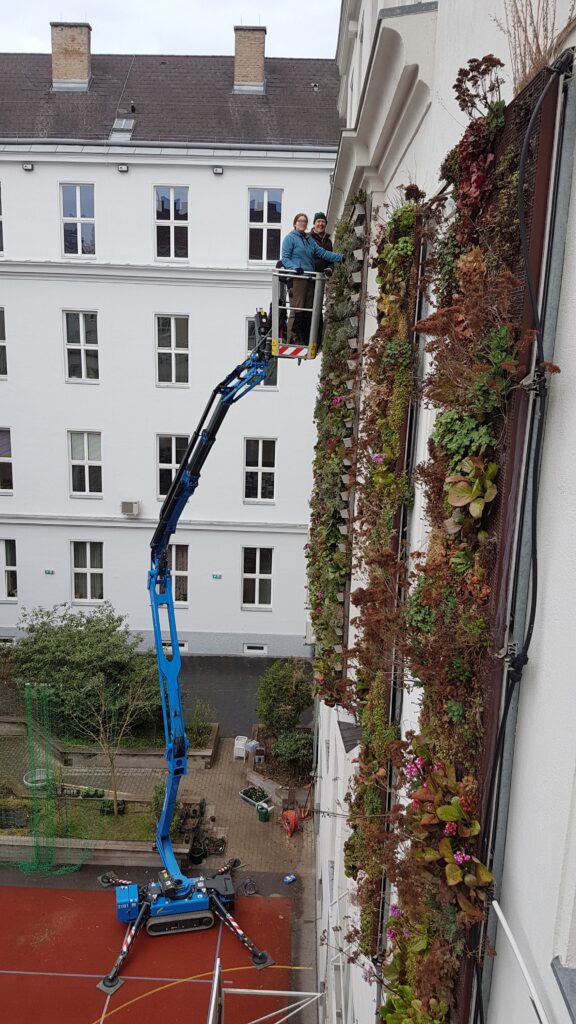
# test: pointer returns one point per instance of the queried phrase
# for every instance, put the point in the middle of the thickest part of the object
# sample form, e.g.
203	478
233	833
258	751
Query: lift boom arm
238	383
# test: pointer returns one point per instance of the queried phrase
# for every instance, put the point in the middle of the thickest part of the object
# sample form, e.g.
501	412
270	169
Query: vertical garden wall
417	807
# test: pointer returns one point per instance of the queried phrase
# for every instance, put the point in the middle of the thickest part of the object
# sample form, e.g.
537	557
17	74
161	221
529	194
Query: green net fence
56	796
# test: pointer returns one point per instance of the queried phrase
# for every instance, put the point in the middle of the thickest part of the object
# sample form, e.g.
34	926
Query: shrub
294	749
199	725
285	691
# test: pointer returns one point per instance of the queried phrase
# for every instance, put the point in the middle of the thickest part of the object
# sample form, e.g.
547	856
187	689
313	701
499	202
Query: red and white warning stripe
294	351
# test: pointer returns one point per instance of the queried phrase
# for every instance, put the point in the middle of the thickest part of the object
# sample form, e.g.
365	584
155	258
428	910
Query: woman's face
301	224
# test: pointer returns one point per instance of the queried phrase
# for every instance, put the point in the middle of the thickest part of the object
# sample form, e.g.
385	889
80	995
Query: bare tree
534	36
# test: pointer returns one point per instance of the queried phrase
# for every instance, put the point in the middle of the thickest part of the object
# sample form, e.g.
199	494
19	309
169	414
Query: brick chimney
71	68
249	43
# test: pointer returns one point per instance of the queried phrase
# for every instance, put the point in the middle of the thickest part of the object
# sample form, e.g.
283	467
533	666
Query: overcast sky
295	28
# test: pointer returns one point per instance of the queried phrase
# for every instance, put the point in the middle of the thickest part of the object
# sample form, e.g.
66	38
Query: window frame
78	219
256	606
3	345
8	459
86	462
273	367
179	573
171	223
164	465
259	470
5	568
88	570
173	350
82	346
264	226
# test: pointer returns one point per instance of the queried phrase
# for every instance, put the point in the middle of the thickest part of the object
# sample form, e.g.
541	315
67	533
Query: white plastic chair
240	747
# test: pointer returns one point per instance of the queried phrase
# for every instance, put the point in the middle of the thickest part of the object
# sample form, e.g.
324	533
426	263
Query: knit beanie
319	216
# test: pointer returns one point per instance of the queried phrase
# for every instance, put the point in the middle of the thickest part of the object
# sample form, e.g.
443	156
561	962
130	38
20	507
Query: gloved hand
298	270
328	273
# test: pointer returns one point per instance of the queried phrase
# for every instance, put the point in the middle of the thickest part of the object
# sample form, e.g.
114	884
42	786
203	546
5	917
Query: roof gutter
167	144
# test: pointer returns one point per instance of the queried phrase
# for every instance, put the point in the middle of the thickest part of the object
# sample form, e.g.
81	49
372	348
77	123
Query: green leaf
483	875
450	812
491	471
476	508
453	873
445	849
430	854
490	493
460	494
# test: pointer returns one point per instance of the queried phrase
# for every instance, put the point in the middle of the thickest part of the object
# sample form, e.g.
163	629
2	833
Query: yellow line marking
193	977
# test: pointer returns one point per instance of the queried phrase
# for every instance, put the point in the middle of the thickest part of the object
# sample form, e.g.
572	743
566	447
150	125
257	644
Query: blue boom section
237	384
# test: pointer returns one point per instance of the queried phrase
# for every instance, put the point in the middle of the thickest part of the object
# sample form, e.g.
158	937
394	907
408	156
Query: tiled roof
184	99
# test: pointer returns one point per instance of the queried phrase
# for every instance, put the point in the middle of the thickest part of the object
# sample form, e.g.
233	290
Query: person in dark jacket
322	238
299	252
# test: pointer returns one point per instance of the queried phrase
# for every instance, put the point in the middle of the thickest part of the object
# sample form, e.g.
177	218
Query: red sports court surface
56	944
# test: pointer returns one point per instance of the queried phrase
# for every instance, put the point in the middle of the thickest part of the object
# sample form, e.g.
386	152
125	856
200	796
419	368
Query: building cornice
119	273
94	151
120	522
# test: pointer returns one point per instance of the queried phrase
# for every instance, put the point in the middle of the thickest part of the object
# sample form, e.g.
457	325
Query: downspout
549	298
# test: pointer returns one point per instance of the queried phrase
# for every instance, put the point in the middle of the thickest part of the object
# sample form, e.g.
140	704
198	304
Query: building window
1	224
171	450
178	564
3	358
78	220
5	460
81	333
259	468
264	217
87	566
171	222
85	462
271	379
172	349
257	577
9	586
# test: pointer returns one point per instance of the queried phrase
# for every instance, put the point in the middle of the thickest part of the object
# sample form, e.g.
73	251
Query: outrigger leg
112	982
260	958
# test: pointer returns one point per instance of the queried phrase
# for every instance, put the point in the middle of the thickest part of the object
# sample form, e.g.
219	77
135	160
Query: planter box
265	799
142	757
278	794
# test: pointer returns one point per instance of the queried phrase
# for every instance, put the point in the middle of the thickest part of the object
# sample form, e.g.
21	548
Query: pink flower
391	933
460	857
395	910
377	457
420	762
338	400
451	828
411	771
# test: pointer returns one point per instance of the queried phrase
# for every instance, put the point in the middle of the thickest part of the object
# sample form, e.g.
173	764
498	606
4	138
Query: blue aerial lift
176	902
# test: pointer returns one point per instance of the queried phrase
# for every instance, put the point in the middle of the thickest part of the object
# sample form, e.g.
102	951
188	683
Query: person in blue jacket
299	252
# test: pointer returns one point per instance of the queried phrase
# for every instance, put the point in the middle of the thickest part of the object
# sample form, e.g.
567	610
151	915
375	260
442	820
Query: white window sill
259	501
81	380
7	494
86	257
8	600
176	384
181	604
256	608
177	261
80	494
89	600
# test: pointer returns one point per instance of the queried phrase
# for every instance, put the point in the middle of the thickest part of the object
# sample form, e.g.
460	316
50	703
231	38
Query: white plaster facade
397	66
217	288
